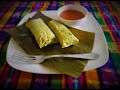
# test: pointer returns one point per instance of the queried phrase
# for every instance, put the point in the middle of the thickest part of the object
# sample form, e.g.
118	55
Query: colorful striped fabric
107	76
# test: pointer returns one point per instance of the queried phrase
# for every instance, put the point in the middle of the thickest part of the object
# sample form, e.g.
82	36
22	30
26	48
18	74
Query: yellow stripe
61	3
6	17
92	80
25	80
77	2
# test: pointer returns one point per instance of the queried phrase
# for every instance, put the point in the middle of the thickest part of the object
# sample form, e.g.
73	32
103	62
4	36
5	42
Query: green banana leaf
73	67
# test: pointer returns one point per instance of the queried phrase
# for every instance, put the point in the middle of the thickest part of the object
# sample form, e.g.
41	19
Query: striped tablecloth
107	76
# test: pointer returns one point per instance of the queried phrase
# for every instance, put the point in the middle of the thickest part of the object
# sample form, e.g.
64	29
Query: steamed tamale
41	31
64	36
73	67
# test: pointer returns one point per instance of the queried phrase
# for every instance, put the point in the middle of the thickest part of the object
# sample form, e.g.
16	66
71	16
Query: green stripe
3	53
4	49
28	8
2	59
95	9
112	47
97	14
92	3
56	82
116	57
60	4
108	36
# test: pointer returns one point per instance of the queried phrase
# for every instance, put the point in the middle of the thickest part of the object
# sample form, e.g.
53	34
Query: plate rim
53	71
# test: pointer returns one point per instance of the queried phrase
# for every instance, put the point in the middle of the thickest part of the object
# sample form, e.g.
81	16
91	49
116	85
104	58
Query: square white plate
90	24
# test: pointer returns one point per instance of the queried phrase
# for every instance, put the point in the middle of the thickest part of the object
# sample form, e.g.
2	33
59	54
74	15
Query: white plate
91	25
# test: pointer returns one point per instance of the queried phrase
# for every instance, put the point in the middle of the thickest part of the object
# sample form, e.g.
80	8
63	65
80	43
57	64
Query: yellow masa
64	36
41	32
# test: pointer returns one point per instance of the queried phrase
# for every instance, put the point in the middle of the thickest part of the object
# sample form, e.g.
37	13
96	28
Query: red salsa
72	15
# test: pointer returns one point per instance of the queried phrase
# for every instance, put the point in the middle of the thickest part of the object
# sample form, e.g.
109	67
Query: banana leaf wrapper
73	67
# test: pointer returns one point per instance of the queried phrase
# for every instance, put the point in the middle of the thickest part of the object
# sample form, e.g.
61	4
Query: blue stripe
110	17
76	83
38	6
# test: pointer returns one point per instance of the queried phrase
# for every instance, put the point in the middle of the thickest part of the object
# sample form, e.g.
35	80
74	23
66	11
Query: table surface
107	76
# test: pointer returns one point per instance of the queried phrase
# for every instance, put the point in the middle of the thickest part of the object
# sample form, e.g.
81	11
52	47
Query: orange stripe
63	81
24	81
92	80
107	28
6	17
45	6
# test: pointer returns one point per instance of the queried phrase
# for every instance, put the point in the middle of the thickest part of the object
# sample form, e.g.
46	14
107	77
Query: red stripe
101	11
15	77
10	15
66	3
33	6
70	82
41	5
81	80
5	74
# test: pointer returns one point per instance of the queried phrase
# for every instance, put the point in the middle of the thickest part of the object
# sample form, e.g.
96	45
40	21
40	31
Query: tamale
73	67
41	32
64	36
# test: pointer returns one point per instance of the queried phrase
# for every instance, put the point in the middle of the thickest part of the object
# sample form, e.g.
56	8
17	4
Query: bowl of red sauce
72	14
